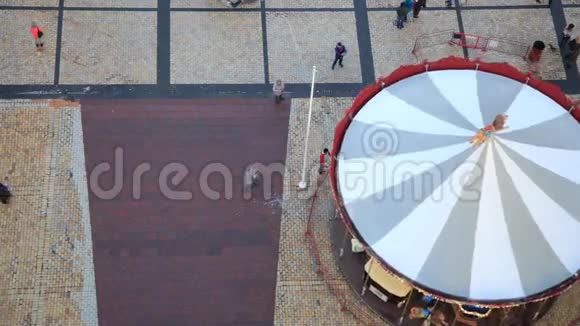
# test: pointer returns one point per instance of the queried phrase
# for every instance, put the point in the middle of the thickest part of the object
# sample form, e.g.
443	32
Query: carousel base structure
396	310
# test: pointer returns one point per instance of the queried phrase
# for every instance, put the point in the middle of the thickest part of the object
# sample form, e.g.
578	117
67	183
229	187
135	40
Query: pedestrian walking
573	51
567	34
401	16
323	166
38	34
419	4
409	7
449	3
5	194
278	90
339	53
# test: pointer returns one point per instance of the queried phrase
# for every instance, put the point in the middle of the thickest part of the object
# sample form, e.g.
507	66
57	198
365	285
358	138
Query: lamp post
302	183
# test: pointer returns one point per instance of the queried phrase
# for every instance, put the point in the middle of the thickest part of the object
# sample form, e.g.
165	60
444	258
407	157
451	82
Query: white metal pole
302	184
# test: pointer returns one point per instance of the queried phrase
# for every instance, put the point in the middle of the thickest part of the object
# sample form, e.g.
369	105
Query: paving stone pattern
46	261
45	3
103	47
309	4
112	3
20	62
468	3
210	4
298	41
217	47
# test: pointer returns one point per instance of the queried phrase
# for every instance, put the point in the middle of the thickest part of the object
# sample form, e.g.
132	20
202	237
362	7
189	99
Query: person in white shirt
278	90
567	34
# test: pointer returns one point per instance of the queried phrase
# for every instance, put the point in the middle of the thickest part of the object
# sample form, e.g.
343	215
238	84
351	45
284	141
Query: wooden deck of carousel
184	262
352	266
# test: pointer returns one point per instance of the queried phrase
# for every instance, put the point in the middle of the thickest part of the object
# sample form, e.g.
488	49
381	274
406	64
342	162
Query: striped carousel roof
496	222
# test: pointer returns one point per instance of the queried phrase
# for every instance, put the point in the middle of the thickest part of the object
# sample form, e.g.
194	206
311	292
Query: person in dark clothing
567	34
449	3
339	53
401	16
417	6
5	194
573	52
323	165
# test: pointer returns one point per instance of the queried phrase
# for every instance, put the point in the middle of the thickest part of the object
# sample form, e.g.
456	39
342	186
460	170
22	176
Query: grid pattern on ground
247	48
46	262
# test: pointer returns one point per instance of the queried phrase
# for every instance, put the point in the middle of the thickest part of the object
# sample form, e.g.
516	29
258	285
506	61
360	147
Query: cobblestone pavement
298	41
223	59
46	261
116	42
103	56
20	63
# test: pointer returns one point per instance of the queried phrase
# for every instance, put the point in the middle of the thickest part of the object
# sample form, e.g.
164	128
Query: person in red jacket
37	33
323	166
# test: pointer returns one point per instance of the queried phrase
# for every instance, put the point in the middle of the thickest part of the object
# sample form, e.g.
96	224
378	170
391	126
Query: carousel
458	192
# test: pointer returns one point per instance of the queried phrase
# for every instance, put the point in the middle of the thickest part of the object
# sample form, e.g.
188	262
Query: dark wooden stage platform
194	262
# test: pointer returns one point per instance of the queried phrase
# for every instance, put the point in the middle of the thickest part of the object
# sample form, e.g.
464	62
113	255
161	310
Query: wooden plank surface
196	262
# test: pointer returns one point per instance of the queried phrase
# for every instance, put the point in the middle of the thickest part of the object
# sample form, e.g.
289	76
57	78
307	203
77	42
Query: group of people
411	5
571	44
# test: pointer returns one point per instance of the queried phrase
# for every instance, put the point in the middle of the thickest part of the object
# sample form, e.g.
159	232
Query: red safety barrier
346	304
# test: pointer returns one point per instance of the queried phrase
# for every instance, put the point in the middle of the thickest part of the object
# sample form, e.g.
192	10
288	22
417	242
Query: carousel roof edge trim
449	63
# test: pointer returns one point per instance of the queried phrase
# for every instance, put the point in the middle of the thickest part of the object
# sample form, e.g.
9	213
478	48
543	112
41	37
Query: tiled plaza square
396	3
468	3
572	16
217	47
522	26
20	63
46	258
298	41
112	3
38	3
120	49
393	47
309	4
571	2
210	4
